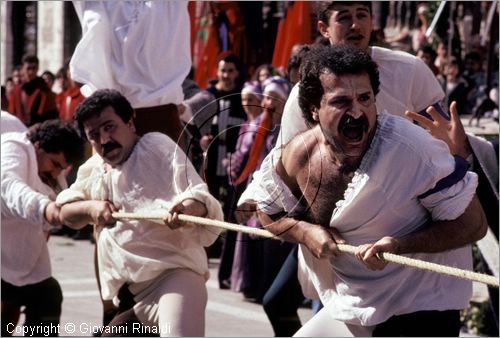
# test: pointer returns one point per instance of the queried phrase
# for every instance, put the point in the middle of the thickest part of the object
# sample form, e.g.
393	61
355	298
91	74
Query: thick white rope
389	257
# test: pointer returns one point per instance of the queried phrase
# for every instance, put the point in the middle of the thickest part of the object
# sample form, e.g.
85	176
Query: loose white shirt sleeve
25	257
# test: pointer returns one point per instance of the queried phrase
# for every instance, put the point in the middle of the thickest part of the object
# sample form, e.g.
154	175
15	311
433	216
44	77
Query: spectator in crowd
9	89
32	101
16	75
428	55
61	81
257	262
442	55
197	108
246	261
49	78
221	141
294	63
262	73
478	100
418	37
454	85
70	97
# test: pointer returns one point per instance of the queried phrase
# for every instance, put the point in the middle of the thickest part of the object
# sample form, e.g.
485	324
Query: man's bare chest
322	185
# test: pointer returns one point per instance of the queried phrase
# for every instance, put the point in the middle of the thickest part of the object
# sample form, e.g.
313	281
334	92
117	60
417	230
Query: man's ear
37	144
315	113
323	29
131	124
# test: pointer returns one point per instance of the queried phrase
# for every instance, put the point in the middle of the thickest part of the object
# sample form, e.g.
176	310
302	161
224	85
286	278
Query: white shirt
382	199
156	176
10	123
25	257
140	48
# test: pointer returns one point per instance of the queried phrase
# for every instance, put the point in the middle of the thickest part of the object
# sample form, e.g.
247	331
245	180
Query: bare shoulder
298	152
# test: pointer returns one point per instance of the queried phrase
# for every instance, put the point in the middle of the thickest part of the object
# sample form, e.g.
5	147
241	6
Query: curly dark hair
339	60
295	60
56	136
97	102
324	8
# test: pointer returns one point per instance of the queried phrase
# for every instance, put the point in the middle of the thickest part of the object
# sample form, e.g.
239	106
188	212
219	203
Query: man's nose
355	111
104	137
355	24
55	173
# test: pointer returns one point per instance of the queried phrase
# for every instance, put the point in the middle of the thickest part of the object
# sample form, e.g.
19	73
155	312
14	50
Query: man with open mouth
406	84
378	182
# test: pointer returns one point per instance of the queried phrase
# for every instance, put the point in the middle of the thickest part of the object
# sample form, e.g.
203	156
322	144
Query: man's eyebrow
340	97
57	164
364	9
99	126
343	11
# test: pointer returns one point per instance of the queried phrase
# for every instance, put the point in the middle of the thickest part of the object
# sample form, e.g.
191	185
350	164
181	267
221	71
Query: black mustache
106	148
349	121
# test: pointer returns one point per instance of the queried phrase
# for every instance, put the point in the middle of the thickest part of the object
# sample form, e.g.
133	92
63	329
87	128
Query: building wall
50	35
6	40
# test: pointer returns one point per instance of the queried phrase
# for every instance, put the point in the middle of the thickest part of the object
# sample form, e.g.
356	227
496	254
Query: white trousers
174	303
323	325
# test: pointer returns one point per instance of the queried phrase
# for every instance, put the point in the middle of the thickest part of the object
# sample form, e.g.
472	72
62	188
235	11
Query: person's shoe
225	284
82	235
57	231
62	230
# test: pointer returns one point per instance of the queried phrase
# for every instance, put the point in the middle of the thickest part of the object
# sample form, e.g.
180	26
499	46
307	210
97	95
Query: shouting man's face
347	114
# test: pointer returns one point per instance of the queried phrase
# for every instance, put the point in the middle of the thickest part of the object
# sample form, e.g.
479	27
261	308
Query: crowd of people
351	144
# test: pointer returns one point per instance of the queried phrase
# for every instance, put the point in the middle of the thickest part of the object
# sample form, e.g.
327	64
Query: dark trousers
284	297
226	260
421	324
218	187
42	303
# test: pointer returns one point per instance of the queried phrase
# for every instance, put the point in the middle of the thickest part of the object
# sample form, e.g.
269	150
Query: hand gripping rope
387	256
